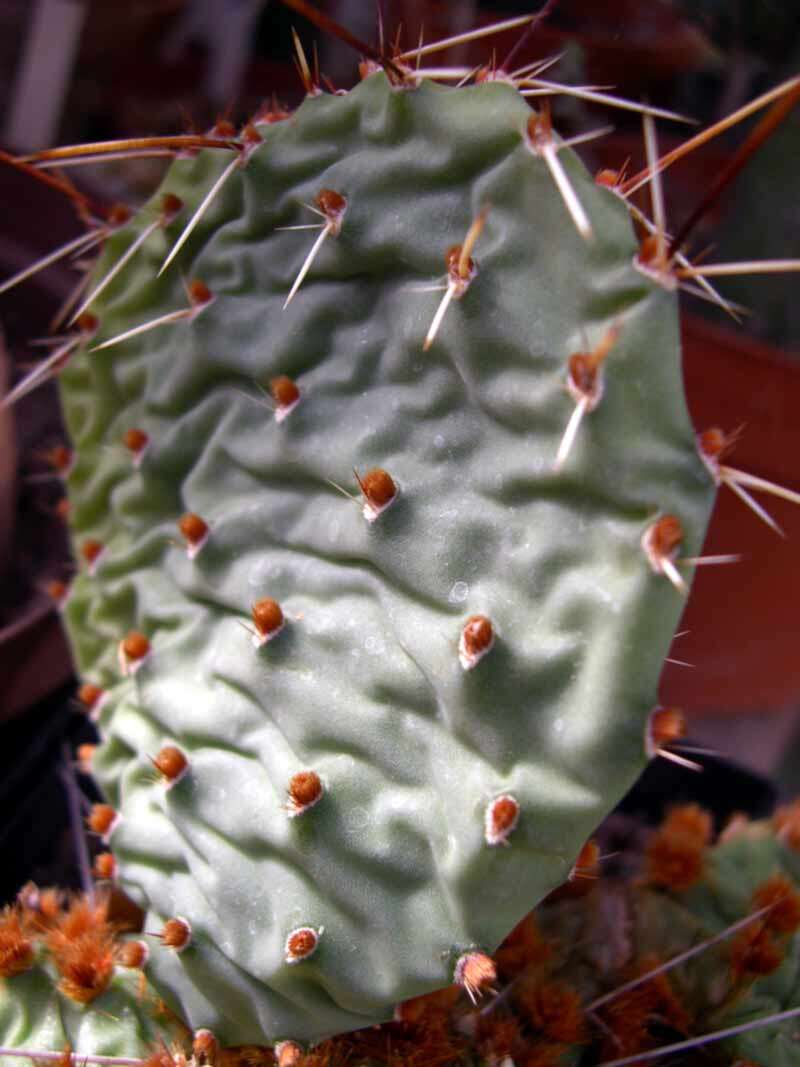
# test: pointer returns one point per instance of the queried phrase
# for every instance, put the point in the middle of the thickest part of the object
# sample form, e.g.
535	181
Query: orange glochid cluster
780	895
176	933
300	944
304	791
500	820
195	532
135	645
555	1009
81	944
476	973
91	549
171	763
60	458
754	952
57	590
663	539
285	394
268	618
101	819
665	726
333	206
90	696
104	867
136	441
205	1048
525	947
288	1054
199	293
786	821
16	948
477	638
675	854
379	491
132	954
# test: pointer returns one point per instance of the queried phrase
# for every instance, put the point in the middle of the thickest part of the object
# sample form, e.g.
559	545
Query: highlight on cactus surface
441	703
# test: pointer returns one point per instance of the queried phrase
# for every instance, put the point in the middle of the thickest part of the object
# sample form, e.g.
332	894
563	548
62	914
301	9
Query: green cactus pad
364	683
120	1022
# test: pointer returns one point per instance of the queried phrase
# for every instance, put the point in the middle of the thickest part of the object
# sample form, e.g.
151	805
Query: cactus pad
448	678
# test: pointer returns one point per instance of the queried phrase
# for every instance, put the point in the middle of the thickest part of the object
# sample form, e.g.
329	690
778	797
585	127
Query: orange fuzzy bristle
101	818
330	202
56	590
205	1047
170	763
524	947
267	616
555	1009
176	933
60	458
300	944
40	908
689	819
378	487
105	866
91	550
135	440
754	953
476	973
82	948
193	528
284	391
500	819
477	634
16	949
780	895
786	821
81	917
305	789
666	535
135	645
667	725
674	860
132	954
199	293
625	1020
159	1057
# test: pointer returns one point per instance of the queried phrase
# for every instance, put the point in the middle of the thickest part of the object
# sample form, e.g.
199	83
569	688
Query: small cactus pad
369	762
69	985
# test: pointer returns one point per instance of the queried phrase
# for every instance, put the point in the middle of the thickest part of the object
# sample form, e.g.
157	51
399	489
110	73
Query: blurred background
74	71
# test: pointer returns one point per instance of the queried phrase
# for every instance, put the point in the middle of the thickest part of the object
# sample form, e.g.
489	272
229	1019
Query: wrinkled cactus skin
364	683
121	1022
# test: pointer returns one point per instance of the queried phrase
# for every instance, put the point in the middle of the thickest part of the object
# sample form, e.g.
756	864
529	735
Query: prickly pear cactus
715	927
68	985
448	678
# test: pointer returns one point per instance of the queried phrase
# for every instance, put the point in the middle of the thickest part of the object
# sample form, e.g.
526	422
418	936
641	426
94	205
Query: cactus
684	941
447	684
444	688
70	981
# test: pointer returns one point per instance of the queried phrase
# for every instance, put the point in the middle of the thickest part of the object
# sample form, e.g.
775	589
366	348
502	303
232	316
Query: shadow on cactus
386	499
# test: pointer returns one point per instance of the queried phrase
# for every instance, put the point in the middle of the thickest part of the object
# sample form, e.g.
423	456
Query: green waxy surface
120	1022
364	683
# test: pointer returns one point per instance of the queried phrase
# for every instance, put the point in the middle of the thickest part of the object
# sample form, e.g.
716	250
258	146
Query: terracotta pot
743	619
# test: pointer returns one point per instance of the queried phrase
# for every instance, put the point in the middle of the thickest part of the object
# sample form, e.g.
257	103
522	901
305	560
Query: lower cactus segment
612	968
447	678
69	982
